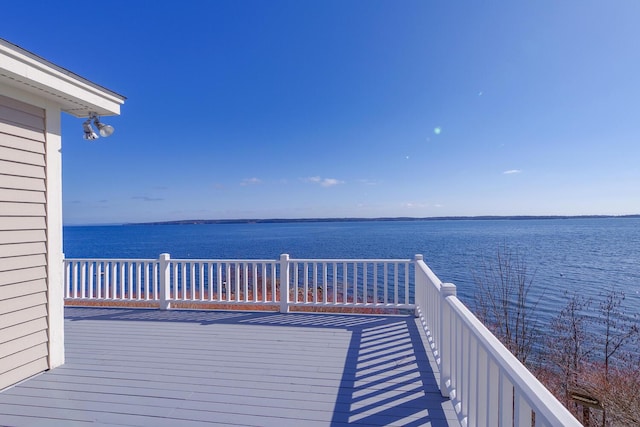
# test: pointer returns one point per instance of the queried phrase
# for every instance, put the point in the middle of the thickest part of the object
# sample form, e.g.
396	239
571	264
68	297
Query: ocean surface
585	256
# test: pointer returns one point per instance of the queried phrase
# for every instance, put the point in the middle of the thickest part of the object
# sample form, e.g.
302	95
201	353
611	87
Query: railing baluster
334	272
184	269
120	283
211	281
91	278
75	280
130	284
406	283
274	278
107	279
354	266
472	368
99	276
245	282
156	281
83	279
229	282
306	282
396	283
325	287
220	285
200	272
191	286
143	291
376	296
482	385
263	275
365	292
314	283
237	280
385	282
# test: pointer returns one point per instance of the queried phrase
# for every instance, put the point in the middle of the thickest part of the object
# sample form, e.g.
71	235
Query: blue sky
289	109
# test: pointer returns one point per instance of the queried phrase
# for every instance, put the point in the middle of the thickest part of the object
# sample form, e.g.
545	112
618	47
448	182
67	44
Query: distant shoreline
381	219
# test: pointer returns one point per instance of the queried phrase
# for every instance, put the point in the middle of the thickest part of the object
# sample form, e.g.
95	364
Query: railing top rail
430	274
317	260
170	259
111	259
537	395
246	260
332	260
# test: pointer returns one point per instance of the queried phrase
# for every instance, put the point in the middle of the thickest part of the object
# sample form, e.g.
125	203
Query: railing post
165	278
284	283
419	286
445	347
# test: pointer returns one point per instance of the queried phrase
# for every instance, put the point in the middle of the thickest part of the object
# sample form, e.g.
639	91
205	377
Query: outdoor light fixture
89	134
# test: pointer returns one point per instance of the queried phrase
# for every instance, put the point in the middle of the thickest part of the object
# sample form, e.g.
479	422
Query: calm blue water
575	255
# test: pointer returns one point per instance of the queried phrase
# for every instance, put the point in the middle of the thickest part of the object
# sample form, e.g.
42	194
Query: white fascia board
75	95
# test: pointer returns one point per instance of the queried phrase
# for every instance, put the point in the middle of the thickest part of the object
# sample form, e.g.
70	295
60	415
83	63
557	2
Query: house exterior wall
33	94
30	237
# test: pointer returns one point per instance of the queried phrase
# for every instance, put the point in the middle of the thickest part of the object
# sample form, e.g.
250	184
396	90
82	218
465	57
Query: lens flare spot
437	130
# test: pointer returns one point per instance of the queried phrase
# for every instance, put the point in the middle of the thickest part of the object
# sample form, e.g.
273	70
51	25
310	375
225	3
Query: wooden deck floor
136	367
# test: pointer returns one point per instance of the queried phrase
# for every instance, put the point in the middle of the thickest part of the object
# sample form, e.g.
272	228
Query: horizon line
356	219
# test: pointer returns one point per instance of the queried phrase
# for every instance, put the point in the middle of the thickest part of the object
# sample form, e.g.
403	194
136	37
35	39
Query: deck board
137	367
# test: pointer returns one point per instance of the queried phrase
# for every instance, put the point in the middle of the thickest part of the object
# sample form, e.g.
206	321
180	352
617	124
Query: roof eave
75	95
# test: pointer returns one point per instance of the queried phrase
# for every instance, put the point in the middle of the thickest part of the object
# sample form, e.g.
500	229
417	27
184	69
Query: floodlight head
105	130
89	134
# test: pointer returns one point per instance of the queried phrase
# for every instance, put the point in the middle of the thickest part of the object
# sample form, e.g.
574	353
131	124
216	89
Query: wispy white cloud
511	171
368	181
421	205
414	205
324	182
250	181
147	199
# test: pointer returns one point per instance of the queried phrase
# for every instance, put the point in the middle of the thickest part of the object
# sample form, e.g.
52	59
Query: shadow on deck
141	367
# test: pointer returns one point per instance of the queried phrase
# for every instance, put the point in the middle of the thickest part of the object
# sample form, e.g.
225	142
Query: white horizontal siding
20	169
23	302
21	316
24	209
23	234
19	249
22	372
24	341
12	141
26	196
22	223
23	107
22	182
22	357
24	288
21	156
23	329
25	133
32	120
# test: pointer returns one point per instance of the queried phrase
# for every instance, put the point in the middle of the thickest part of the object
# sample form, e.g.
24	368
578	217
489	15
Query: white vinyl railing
486	383
285	283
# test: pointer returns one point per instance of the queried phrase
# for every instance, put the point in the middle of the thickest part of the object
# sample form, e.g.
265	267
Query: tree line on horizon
382	219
